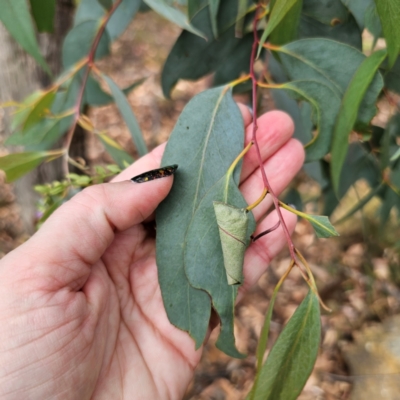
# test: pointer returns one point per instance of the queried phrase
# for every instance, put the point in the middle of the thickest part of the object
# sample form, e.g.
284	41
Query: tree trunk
19	77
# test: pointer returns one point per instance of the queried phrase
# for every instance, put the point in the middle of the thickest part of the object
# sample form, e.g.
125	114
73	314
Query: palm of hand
92	323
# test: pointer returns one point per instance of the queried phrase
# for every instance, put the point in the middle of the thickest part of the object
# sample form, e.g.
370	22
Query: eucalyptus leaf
389	14
79	41
286	30
193	57
118	154
43	12
325	104
292	357
312	59
328	12
18	164
322	226
232	225
39	137
174	15
213	7
210	129
278	12
39	109
126	111
346	32
348	111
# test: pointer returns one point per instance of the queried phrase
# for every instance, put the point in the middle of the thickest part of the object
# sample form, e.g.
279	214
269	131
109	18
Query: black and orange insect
155	174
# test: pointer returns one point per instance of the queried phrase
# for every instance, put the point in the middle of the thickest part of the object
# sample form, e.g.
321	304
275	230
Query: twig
254	139
79	99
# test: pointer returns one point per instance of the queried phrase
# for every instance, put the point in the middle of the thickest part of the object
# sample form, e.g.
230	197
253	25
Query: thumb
62	252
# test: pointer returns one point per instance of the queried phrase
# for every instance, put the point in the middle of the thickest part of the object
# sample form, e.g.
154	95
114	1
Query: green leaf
194	6
280	9
40	137
43	12
126	111
107	4
286	30
95	96
122	17
321	224
325	104
360	10
389	14
121	157
312	59
18	164
39	109
174	15
235	63
193	57
292	357
346	32
232	224
348	111
328	12
79	41
242	10
16	18
303	126
392	76
213	7
210	128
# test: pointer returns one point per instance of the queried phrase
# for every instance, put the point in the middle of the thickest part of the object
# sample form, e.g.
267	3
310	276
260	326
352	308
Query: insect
155	174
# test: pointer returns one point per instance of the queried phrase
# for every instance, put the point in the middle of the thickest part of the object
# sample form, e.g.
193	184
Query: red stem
254	139
79	99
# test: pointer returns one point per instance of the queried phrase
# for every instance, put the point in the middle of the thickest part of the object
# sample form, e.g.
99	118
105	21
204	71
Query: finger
262	251
62	252
280	169
246	114
275	128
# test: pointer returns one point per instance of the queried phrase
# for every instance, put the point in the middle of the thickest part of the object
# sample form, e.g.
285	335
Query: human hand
80	305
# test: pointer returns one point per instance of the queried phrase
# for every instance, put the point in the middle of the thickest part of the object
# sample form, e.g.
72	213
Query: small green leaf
213	7
328	12
232	225
79	41
40	137
18	164
43	12
126	111
389	14
173	14
325	104
107	4
348	111
39	109
292	357
116	151
322	226
286	30
122	17
95	96
194	6
242	10
281	8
